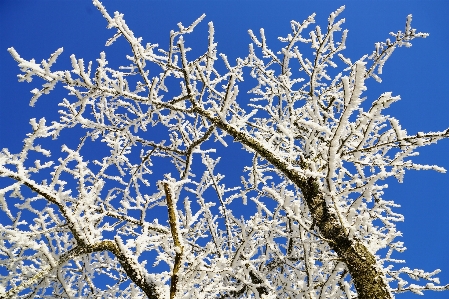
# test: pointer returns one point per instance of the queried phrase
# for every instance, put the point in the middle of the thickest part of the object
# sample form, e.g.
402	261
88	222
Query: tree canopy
134	205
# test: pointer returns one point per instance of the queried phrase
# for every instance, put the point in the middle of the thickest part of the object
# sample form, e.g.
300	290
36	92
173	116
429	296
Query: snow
298	125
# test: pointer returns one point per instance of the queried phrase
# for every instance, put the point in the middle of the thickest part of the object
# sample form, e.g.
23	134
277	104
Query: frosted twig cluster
321	227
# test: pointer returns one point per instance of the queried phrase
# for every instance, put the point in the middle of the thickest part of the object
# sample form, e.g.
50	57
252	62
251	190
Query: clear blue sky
419	74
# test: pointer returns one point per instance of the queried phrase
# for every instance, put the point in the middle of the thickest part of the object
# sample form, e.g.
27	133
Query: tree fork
82	248
368	279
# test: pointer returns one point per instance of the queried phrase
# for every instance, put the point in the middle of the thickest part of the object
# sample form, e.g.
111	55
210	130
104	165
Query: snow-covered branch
318	223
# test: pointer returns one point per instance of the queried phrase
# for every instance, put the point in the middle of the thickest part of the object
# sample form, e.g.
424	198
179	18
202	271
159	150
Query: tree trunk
368	279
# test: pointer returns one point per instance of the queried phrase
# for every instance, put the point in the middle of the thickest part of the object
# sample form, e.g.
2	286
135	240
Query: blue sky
419	74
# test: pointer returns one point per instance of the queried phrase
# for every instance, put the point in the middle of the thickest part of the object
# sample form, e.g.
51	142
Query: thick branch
132	270
368	278
107	245
175	234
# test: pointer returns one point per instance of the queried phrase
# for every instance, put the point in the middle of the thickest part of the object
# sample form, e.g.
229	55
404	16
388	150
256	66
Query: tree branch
133	271
368	278
176	240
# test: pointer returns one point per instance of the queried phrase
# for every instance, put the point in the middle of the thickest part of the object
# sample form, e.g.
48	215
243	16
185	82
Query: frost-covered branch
317	223
173	220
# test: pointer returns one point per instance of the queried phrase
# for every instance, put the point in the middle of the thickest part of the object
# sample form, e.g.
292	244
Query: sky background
419	74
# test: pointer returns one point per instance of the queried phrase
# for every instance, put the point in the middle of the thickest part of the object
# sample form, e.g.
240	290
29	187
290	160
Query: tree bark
368	279
173	221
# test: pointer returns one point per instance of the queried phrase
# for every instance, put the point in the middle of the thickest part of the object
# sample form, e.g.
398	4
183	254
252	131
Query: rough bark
175	234
369	281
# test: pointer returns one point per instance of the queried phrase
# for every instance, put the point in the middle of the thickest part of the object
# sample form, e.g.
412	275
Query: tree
319	153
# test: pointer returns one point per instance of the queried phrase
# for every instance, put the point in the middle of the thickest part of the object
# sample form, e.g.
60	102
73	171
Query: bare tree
321	228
